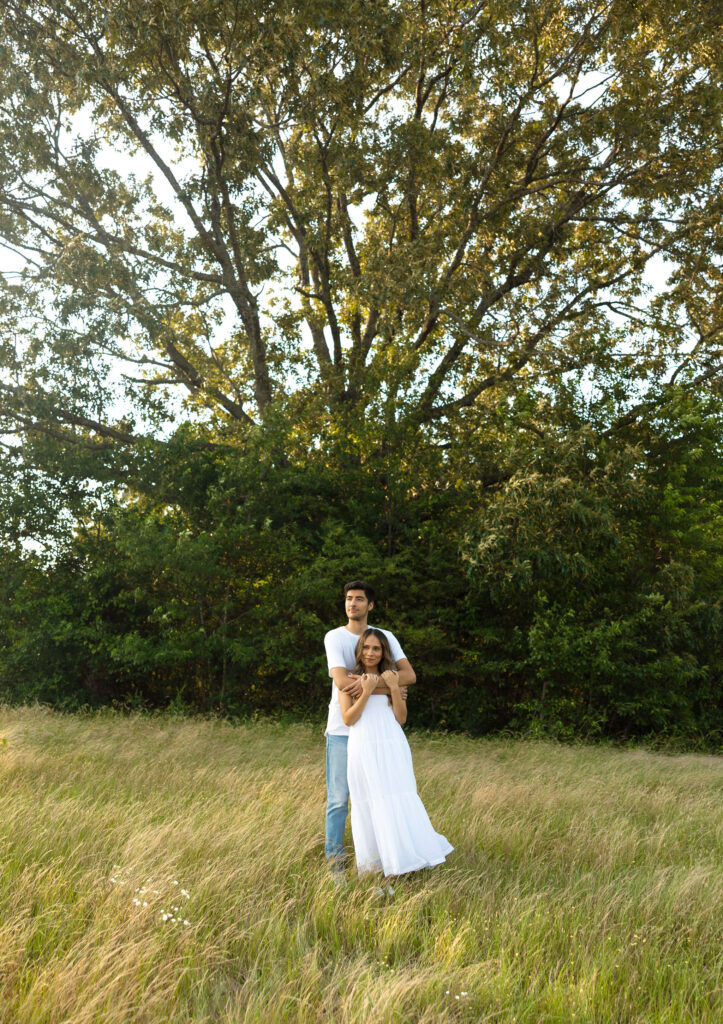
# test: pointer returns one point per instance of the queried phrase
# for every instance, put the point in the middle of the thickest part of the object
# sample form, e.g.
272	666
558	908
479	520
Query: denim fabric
337	797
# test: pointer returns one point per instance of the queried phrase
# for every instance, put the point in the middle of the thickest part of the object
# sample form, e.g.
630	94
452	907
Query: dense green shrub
580	593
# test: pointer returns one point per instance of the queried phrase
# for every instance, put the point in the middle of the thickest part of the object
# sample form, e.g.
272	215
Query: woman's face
371	653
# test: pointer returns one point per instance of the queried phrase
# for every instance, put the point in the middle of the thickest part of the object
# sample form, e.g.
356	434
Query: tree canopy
389	207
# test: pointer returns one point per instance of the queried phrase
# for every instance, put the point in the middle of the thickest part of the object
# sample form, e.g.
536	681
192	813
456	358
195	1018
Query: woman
390	826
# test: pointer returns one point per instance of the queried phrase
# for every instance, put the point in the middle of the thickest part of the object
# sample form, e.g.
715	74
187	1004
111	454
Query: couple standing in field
367	754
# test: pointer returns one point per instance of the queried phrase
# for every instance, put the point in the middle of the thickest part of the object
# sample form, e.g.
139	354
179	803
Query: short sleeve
334	653
395	648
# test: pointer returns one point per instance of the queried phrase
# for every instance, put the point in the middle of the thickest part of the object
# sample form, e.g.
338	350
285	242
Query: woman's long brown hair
387	661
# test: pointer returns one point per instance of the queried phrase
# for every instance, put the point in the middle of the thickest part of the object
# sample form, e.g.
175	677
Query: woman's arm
399	704
351	710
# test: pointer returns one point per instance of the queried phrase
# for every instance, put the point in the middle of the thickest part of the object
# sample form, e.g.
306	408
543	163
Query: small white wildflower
447	992
185	893
464	993
113	881
186	923
175	883
456	997
145	903
136	901
155	892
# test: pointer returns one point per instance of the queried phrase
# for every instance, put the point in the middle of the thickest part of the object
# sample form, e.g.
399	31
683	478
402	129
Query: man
340	645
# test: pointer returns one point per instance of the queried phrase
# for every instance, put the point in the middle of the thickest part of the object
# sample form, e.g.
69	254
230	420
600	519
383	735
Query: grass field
158	869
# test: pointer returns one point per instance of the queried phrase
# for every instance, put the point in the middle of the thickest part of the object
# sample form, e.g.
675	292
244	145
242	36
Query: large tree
430	288
309	211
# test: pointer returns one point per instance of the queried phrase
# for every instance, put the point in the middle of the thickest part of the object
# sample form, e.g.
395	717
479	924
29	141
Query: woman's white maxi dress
391	829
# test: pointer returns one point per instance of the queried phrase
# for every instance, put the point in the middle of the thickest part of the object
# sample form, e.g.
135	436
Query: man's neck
356	626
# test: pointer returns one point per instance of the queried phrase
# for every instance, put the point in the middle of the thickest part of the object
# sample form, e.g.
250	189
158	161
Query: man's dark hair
361	585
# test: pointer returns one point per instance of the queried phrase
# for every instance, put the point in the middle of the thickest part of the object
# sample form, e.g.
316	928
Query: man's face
356	604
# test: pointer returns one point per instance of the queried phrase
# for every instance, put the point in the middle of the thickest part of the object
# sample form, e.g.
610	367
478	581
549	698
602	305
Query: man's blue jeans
337	797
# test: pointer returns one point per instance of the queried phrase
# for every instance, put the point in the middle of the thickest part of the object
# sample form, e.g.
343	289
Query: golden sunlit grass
157	869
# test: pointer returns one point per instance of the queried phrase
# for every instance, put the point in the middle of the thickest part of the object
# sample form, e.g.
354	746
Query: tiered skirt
391	829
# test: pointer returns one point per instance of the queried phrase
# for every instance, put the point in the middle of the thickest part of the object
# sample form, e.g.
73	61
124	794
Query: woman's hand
369	683
391	678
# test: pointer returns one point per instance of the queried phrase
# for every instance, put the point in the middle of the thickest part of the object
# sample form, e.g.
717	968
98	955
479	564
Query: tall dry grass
585	886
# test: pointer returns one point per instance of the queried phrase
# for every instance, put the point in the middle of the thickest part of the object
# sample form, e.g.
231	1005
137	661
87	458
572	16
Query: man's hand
353	687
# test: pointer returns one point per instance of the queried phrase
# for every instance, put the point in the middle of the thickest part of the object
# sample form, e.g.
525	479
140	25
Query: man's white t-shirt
340	645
